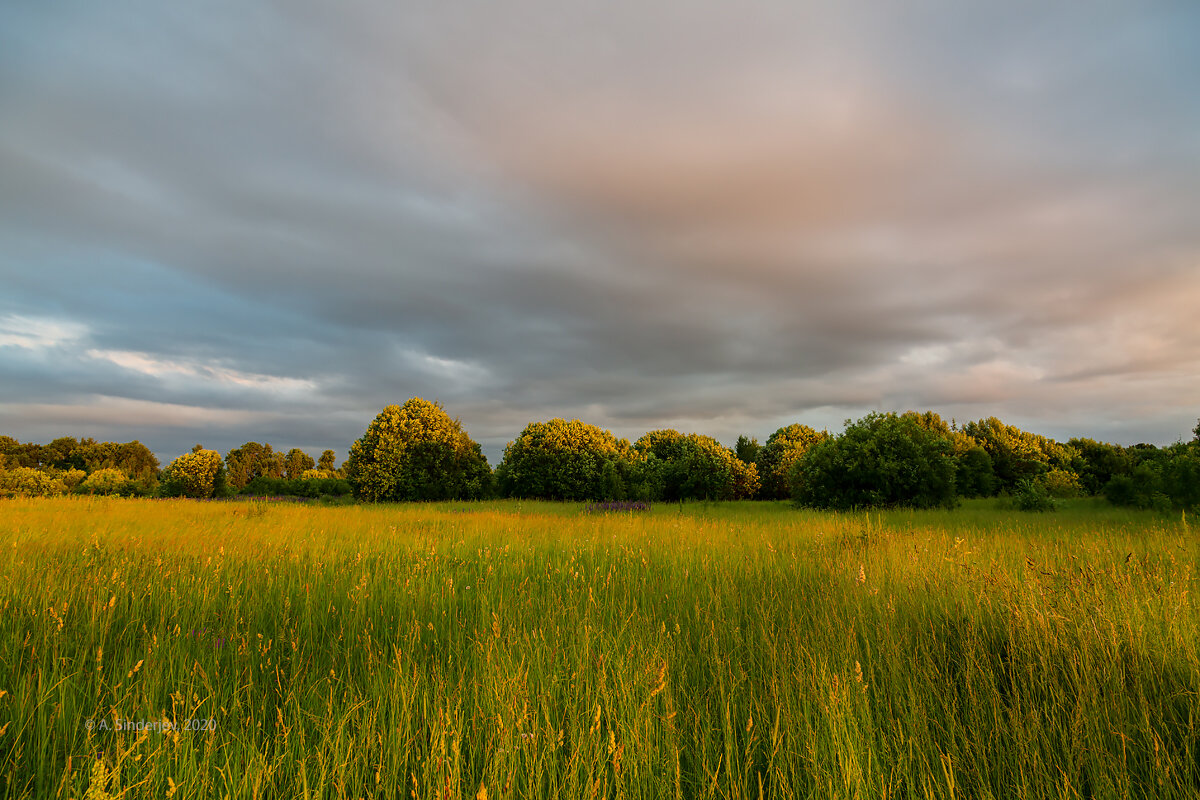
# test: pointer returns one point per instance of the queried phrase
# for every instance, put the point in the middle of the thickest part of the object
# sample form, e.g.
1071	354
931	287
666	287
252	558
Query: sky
265	221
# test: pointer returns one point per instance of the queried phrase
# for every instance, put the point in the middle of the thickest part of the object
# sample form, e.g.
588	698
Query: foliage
880	460
569	460
417	452
1061	483
106	481
327	461
321	486
72	478
783	449
296	463
318	474
695	467
197	474
1163	478
747	449
1096	463
1032	495
973	473
253	460
28	482
1015	453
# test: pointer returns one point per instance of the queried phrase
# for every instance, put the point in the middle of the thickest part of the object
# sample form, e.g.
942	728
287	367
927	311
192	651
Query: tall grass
534	650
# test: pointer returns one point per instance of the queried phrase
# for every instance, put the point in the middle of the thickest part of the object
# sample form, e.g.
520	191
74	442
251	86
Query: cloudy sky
265	221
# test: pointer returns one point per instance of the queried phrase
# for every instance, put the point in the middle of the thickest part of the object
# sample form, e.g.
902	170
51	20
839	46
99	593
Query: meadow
518	649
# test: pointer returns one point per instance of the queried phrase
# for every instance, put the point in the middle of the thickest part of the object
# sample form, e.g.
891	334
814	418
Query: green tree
327	461
696	467
253	460
783	449
417	452
107	480
1097	463
1017	454
199	473
747	449
880	460
29	482
567	460
296	462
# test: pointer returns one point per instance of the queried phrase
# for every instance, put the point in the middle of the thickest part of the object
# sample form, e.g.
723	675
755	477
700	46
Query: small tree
105	481
783	449
296	462
880	460
327	461
417	452
567	460
747	450
199	474
695	467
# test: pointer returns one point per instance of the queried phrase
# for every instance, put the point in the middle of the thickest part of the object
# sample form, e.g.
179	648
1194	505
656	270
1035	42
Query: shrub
29	482
695	467
105	481
880	460
1061	483
199	474
570	460
1033	495
417	452
775	460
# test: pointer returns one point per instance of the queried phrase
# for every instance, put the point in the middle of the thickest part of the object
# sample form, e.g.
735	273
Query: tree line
416	451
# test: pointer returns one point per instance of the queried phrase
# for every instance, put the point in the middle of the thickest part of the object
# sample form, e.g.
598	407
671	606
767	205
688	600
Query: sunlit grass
533	650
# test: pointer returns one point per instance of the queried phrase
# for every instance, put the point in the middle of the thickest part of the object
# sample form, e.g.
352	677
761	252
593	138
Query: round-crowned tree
880	460
783	449
567	460
200	473
696	467
417	452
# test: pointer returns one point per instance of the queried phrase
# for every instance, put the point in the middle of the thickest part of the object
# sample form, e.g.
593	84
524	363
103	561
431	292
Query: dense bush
880	460
1166	478
29	482
1033	495
253	460
417	452
199	474
1017	454
299	487
571	460
106	481
695	467
775	460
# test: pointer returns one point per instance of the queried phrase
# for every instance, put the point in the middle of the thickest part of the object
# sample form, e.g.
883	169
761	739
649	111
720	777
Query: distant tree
296	462
71	478
253	460
783	449
107	480
327	461
568	460
1017	454
29	482
973	474
747	450
1096	463
199	473
880	460
696	467
417	452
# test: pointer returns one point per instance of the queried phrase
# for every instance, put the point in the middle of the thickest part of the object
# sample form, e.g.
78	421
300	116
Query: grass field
531	650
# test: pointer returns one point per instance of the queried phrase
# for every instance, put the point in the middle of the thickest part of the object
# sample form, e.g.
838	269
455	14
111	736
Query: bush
29	482
775	460
1033	495
570	460
881	460
300	487
199	474
1061	483
695	467
106	481
417	452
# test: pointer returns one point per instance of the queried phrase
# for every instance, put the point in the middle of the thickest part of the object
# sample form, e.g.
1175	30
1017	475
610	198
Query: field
533	650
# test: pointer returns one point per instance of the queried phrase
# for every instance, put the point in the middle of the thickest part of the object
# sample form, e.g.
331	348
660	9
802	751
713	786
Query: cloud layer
269	222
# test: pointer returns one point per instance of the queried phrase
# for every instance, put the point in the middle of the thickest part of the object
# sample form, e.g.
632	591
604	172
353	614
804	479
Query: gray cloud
269	222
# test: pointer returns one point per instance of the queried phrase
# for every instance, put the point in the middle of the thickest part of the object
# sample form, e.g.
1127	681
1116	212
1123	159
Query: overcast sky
265	221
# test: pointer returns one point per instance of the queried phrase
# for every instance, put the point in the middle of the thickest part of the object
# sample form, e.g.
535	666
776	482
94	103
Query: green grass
709	650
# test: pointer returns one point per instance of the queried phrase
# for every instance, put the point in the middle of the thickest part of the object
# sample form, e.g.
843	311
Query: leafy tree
1096	463
296	462
71	478
1015	453
695	467
747	450
107	480
1033	495
417	452
29	482
1061	483
199	473
783	449
327	461
318	475
973	473
253	460
880	460
568	460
